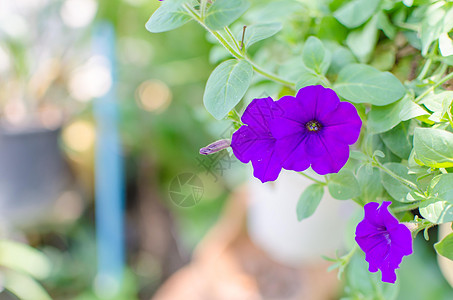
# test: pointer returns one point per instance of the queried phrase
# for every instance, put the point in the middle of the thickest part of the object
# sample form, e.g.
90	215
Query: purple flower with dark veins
315	129
383	239
255	142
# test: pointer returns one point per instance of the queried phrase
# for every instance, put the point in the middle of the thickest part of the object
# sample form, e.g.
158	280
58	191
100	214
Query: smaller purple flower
255	142
383	239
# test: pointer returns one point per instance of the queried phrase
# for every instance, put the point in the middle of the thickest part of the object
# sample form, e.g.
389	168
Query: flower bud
215	147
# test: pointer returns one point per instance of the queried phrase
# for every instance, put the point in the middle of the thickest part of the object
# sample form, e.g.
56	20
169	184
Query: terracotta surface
228	266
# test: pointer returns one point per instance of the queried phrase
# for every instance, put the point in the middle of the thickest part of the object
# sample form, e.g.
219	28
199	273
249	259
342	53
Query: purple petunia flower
255	142
383	239
315	129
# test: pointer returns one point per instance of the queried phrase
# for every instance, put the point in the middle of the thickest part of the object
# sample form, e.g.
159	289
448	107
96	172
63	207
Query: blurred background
103	194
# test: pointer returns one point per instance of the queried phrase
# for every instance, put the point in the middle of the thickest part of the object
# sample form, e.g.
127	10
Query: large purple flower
383	239
254	141
315	129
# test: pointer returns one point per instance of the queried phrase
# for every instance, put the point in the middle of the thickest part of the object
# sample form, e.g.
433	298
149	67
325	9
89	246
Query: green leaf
23	258
292	69
224	12
309	201
355	13
385	25
362	41
331	29
275	11
410	109
438	20
399	140
394	187
372	143
364	285
170	15
343	185
307	77
364	84
315	56
441	187
445	247
383	118
341	57
23	286
438	102
436	211
226	86
433	147
370	183
258	32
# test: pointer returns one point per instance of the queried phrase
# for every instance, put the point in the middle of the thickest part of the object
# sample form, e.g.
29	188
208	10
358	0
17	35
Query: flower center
313	126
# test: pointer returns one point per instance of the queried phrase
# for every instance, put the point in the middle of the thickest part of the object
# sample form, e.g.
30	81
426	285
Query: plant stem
313	179
231	35
404	181
269	75
242	39
203	4
425	69
406	207
432	88
407	26
347	257
235	53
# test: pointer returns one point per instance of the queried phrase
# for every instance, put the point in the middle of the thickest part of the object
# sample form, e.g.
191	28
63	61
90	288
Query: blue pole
109	181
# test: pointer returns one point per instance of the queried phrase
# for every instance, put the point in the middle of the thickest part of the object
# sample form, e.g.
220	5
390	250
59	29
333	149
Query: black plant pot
33	174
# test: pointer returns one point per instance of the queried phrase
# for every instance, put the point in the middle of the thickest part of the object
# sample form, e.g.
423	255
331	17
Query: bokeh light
93	79
78	13
153	95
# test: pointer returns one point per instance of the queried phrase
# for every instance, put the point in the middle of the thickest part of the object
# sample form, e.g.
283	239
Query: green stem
346	258
235	53
425	69
404	181
203	4
407	26
312	179
406	207
217	35
432	88
269	75
440	71
231	35
325	80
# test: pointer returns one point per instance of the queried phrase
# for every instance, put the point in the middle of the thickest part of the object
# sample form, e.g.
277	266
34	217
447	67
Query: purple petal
388	275
294	109
401	238
317	101
365	229
254	141
258	113
283	127
335	157
387	218
377	255
343	124
246	143
268	167
291	151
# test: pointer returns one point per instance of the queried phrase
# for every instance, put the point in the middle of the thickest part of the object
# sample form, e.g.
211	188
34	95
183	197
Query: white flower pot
273	224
